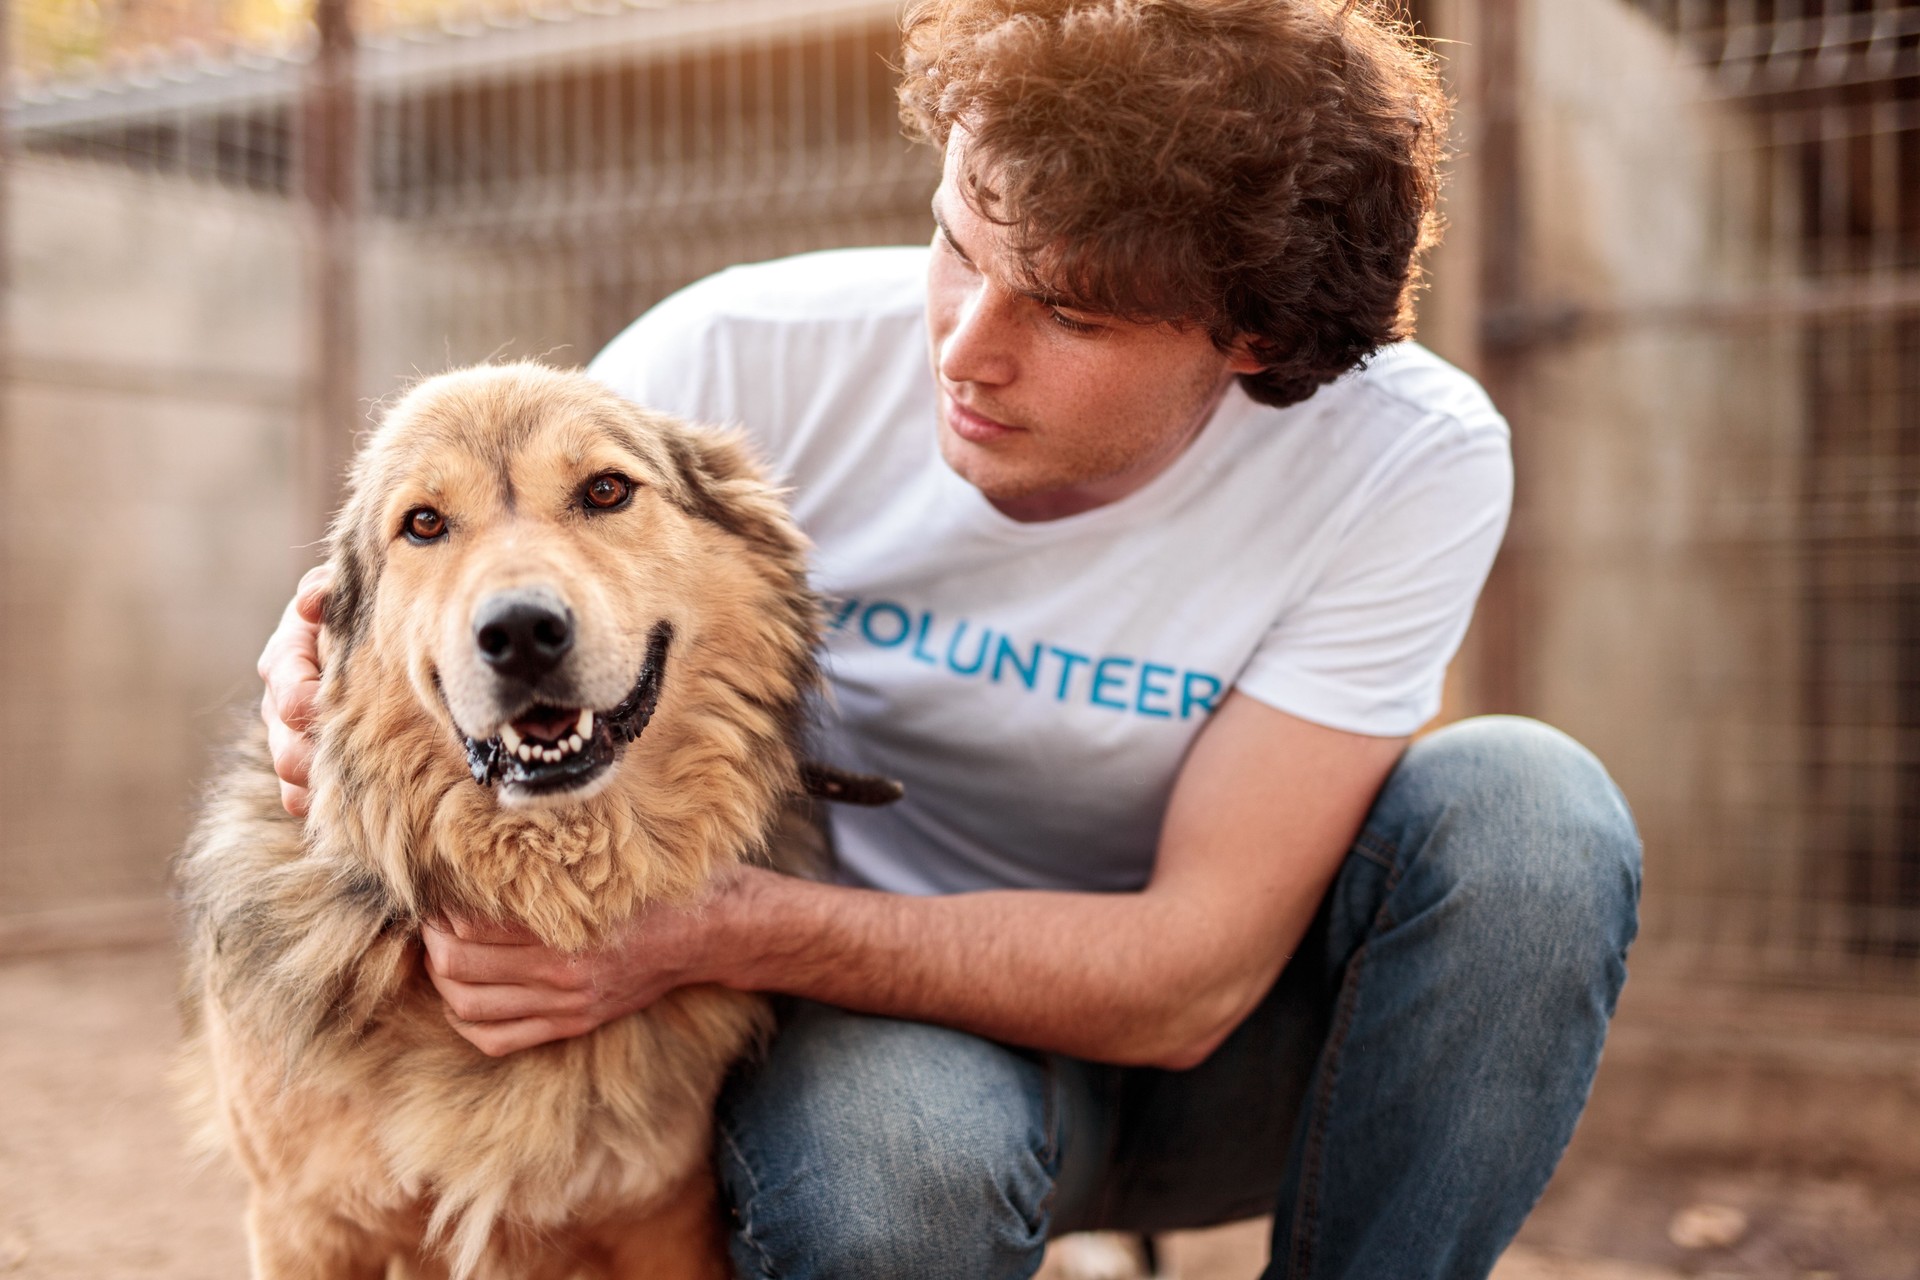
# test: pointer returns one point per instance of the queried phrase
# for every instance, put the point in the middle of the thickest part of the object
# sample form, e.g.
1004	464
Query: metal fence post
325	138
1500	681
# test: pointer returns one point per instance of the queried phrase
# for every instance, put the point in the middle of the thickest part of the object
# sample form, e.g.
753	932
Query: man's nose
979	347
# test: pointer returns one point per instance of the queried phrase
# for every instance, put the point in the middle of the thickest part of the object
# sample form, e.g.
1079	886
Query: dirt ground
93	1184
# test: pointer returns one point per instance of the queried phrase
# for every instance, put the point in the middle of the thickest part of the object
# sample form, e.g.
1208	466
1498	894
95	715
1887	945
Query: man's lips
974	427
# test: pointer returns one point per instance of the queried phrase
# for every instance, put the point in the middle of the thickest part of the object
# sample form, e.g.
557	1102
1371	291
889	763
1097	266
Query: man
1142	590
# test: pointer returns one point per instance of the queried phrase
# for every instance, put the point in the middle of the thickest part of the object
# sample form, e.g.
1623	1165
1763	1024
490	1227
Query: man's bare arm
1264	810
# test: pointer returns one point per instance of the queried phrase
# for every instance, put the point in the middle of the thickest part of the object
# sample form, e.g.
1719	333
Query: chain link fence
1705	242
1686	255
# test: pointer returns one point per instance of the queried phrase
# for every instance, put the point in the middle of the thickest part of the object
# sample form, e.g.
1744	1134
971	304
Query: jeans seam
1108	1198
1050	1143
1384	852
1050	1112
1306	1214
745	1210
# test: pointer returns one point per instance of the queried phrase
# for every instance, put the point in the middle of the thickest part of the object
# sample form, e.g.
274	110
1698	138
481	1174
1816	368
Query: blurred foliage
56	37
50	39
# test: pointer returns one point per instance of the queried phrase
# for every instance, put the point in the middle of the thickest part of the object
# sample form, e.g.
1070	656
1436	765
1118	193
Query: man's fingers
292	753
463	961
498	1039
311	596
301	614
290	662
294	800
292	673
479	951
487	931
506	1002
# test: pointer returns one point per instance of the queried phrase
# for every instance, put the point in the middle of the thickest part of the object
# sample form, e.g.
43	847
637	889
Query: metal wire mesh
1712	355
1758	331
561	167
225	210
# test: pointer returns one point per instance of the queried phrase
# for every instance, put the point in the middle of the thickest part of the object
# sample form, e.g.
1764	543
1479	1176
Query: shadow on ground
94	1184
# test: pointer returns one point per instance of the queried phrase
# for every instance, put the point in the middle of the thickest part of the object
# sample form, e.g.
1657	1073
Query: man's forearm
1112	977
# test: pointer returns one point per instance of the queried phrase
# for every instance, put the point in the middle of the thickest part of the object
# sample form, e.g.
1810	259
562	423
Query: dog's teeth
524	751
555	754
584	729
512	739
576	742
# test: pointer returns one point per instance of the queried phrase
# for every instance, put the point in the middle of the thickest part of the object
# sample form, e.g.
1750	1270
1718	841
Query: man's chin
1022	493
992	469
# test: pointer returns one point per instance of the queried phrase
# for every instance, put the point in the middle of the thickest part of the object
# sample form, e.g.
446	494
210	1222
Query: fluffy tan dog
565	659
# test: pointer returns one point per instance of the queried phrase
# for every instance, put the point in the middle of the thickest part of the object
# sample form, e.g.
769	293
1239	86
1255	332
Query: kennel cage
1689	231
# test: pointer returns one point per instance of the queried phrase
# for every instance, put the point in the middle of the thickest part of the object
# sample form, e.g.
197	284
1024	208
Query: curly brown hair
1265	168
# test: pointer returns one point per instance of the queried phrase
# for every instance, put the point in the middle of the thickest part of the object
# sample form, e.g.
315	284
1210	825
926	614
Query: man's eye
609	491
424	524
1071	325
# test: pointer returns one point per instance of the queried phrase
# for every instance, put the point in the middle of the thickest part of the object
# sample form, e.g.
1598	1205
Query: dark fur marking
703	504
825	782
349	604
368	893
633	714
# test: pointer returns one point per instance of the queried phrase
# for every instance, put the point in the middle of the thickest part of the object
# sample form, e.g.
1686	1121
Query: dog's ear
724	486
349	599
356	572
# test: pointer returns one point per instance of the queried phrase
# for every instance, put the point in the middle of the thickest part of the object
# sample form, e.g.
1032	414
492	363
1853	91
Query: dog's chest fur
337	1071
488	593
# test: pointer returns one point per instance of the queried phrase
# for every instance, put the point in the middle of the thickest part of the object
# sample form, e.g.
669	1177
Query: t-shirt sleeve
675	359
1366	648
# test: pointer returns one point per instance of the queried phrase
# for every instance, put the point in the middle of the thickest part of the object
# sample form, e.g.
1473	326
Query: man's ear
1240	357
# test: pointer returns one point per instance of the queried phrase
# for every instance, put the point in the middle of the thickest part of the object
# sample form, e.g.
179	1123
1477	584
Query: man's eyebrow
947	235
1044	297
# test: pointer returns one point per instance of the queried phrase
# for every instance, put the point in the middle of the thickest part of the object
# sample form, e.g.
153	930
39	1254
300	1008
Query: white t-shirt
1036	685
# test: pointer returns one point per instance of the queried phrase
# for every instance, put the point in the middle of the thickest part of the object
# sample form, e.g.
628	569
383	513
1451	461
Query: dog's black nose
523	634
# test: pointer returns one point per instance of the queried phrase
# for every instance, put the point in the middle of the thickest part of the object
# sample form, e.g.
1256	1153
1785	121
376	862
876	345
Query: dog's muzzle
548	749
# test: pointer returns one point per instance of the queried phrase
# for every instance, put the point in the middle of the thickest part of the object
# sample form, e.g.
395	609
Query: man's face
1048	410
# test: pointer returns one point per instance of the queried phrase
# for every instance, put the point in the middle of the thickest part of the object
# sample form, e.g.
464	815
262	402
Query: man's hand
505	991
1265	809
290	665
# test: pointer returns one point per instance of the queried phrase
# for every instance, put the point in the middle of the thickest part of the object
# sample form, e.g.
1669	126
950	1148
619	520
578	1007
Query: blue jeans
1397	1102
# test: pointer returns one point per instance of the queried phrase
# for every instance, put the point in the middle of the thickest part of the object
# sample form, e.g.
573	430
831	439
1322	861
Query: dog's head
557	618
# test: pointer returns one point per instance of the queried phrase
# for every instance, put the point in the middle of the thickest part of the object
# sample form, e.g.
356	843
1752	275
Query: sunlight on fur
369	1130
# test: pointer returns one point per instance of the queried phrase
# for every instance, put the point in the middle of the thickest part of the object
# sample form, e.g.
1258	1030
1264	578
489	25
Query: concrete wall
1658	456
160	350
155	342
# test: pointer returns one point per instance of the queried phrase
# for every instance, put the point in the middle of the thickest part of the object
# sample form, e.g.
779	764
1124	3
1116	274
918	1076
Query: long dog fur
322	1058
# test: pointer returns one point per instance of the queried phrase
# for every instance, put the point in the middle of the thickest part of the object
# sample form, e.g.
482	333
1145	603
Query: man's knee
866	1146
1518	828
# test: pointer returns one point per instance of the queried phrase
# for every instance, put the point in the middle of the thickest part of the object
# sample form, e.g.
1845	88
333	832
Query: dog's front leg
290	1240
683	1239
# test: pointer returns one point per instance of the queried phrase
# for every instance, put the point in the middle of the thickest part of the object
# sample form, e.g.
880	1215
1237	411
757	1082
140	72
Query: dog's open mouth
546	749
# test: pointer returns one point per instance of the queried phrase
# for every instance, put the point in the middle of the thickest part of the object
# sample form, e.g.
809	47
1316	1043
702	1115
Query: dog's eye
608	491
424	524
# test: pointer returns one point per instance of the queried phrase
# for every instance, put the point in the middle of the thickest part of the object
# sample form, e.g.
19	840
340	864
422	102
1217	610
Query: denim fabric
1397	1102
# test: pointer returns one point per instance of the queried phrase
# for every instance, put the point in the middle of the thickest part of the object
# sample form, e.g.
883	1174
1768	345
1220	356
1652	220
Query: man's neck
1073	500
